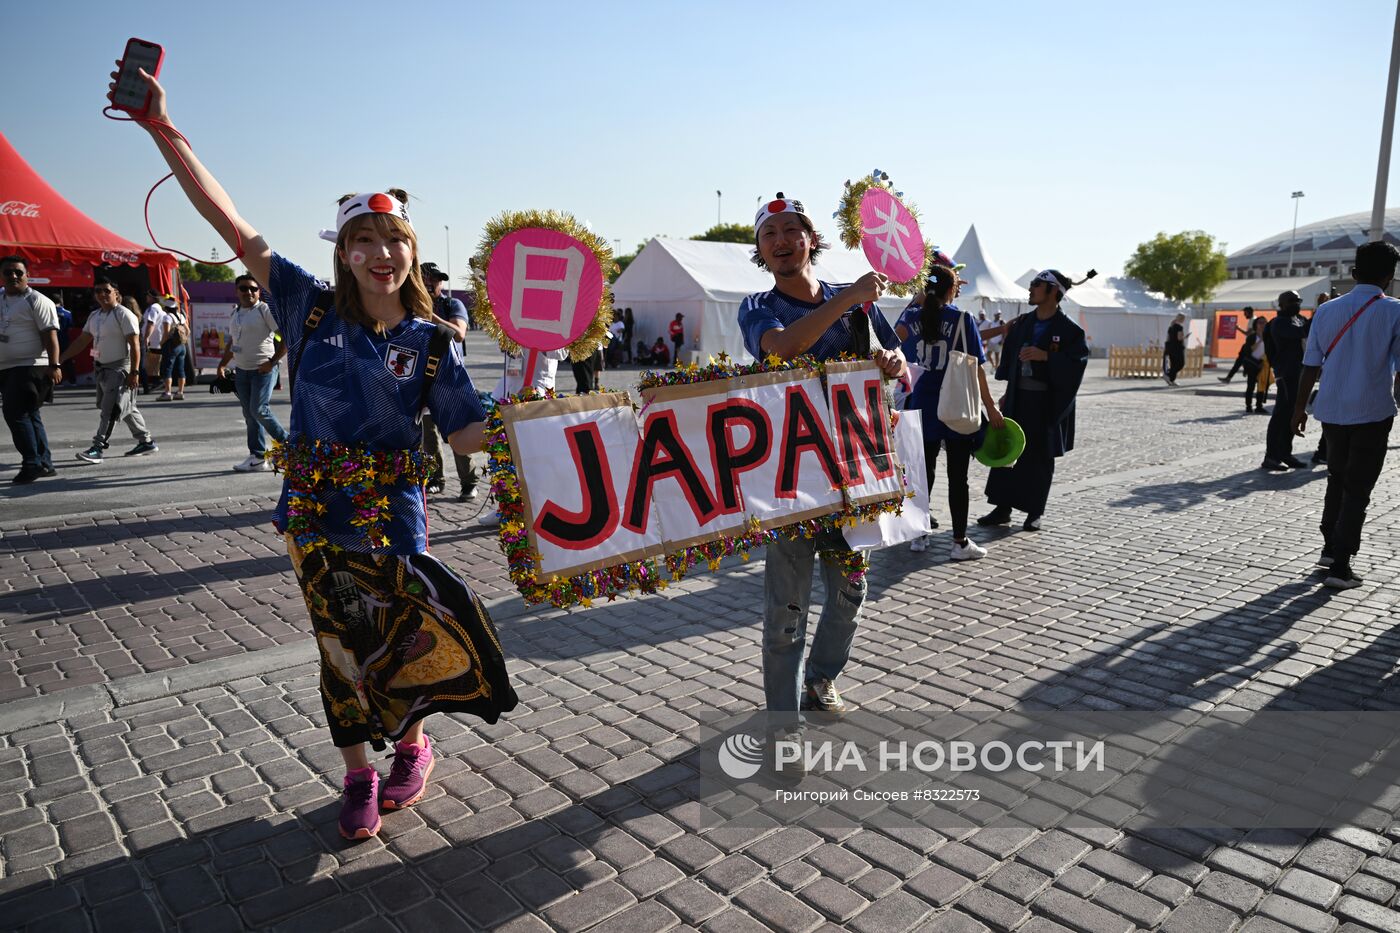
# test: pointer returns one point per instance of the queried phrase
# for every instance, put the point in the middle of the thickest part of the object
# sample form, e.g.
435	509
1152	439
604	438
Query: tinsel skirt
400	637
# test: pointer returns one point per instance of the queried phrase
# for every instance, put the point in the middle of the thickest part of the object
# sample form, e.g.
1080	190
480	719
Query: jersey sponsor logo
401	361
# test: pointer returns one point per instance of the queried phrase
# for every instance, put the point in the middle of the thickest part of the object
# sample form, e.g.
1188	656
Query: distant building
1323	248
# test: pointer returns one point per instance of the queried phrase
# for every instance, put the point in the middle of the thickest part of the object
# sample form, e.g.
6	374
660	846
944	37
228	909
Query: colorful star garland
849	224
318	470
648	576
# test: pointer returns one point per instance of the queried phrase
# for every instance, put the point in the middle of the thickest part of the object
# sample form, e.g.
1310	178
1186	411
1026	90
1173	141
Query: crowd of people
378	385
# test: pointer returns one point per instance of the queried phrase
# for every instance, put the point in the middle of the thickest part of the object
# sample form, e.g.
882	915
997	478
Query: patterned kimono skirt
401	637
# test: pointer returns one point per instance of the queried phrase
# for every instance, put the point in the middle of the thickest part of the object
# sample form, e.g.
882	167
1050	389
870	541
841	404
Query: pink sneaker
359	814
408	778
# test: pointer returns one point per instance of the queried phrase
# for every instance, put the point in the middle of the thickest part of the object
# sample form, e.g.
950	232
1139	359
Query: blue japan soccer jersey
356	387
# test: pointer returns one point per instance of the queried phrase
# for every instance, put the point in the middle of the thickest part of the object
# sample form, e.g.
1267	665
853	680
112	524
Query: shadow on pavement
1177	497
133	527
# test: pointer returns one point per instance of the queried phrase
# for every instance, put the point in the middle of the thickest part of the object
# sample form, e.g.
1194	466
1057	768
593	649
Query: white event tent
706	282
988	288
1117	312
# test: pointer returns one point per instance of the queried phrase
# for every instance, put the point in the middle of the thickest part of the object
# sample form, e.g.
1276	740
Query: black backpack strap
325	300
439	344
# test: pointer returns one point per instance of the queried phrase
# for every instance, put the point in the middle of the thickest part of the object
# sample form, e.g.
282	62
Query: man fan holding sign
803	315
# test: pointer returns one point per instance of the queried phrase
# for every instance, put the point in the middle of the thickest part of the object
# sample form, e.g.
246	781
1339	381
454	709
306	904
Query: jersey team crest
401	361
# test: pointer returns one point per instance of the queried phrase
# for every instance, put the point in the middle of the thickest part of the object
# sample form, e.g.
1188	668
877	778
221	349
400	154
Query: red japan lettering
862	439
731	461
803	432
661	454
597	519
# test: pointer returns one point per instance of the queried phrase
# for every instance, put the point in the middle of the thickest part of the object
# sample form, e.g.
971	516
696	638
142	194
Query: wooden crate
1148	362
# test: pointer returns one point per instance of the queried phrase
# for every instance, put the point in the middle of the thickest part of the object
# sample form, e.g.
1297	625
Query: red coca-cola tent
63	244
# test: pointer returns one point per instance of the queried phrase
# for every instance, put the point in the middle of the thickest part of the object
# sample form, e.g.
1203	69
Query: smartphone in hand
131	93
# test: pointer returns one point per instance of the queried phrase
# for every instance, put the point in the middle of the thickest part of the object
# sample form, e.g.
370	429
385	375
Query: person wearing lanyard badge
28	337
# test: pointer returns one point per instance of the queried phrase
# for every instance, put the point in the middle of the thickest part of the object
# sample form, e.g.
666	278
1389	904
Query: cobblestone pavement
1171	574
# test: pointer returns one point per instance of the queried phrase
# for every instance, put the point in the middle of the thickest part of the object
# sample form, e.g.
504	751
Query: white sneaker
252	465
491	519
919	544
969	551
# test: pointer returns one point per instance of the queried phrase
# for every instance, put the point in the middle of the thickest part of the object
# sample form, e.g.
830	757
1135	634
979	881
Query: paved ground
162	761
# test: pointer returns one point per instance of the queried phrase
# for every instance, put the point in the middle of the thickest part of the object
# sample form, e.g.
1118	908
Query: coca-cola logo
18	209
113	257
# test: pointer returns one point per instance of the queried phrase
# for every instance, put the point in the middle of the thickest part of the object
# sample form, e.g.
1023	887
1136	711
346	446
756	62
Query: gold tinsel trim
852	230
508	222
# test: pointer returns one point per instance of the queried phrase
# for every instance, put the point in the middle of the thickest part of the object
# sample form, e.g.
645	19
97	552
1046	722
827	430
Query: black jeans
1278	439
959	454
1176	361
1355	454
25	389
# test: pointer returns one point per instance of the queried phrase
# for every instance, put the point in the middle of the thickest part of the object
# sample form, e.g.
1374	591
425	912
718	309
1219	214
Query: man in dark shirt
1285	338
1239	357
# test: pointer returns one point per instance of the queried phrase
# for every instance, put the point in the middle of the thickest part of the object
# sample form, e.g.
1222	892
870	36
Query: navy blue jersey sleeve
453	400
453	310
755	320
294	292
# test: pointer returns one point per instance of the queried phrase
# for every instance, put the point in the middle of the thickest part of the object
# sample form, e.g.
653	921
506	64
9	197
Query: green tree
1184	266
728	233
204	272
620	263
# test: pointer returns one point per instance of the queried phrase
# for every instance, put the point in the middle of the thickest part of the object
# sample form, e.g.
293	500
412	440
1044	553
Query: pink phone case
131	93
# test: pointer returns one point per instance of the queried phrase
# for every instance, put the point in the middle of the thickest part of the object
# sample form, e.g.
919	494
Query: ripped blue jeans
788	584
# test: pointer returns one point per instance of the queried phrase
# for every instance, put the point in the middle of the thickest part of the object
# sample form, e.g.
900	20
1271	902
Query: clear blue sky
1067	132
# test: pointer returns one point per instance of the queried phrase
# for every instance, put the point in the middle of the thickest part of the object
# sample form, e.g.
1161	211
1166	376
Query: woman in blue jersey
928	333
401	636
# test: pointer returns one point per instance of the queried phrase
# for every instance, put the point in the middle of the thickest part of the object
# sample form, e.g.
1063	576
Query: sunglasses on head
247	288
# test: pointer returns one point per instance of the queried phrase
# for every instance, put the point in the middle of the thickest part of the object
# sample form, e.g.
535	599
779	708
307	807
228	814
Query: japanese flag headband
360	204
780	205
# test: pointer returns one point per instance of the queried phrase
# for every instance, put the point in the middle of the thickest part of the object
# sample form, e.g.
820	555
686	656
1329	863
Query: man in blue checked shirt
1356	339
803	315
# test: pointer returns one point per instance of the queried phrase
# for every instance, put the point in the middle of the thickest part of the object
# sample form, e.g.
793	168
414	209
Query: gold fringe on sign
508	222
852	230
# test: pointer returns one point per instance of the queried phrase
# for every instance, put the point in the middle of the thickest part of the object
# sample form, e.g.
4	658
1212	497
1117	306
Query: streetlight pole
1377	230
1297	195
448	230
719	210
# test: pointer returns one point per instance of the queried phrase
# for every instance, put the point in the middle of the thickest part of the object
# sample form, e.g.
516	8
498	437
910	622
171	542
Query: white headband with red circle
779	205
360	204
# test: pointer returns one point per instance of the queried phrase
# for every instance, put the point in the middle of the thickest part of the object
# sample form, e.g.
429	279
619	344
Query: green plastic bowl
1001	446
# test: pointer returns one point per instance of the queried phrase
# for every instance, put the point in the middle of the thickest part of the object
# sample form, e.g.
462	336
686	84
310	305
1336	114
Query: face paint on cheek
357	258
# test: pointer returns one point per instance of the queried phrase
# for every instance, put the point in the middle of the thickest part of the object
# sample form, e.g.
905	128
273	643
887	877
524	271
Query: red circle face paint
381	204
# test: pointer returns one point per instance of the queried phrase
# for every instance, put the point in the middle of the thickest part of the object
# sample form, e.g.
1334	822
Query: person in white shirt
29	367
152	324
173	349
113	332
255	355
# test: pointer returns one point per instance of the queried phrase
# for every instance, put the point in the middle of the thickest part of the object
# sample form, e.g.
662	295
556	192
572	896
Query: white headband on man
1048	278
779	205
357	205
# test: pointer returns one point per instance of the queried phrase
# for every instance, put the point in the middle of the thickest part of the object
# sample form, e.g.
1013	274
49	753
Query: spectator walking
174	345
65	336
1175	351
114	333
1285	338
450	313
802	315
255	354
677	329
1247	328
29	367
401	635
1043	365
151	318
1355	340
930	330
995	340
1252	357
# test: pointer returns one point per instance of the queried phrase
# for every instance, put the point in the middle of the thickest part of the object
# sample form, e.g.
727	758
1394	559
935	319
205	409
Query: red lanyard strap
1347	326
